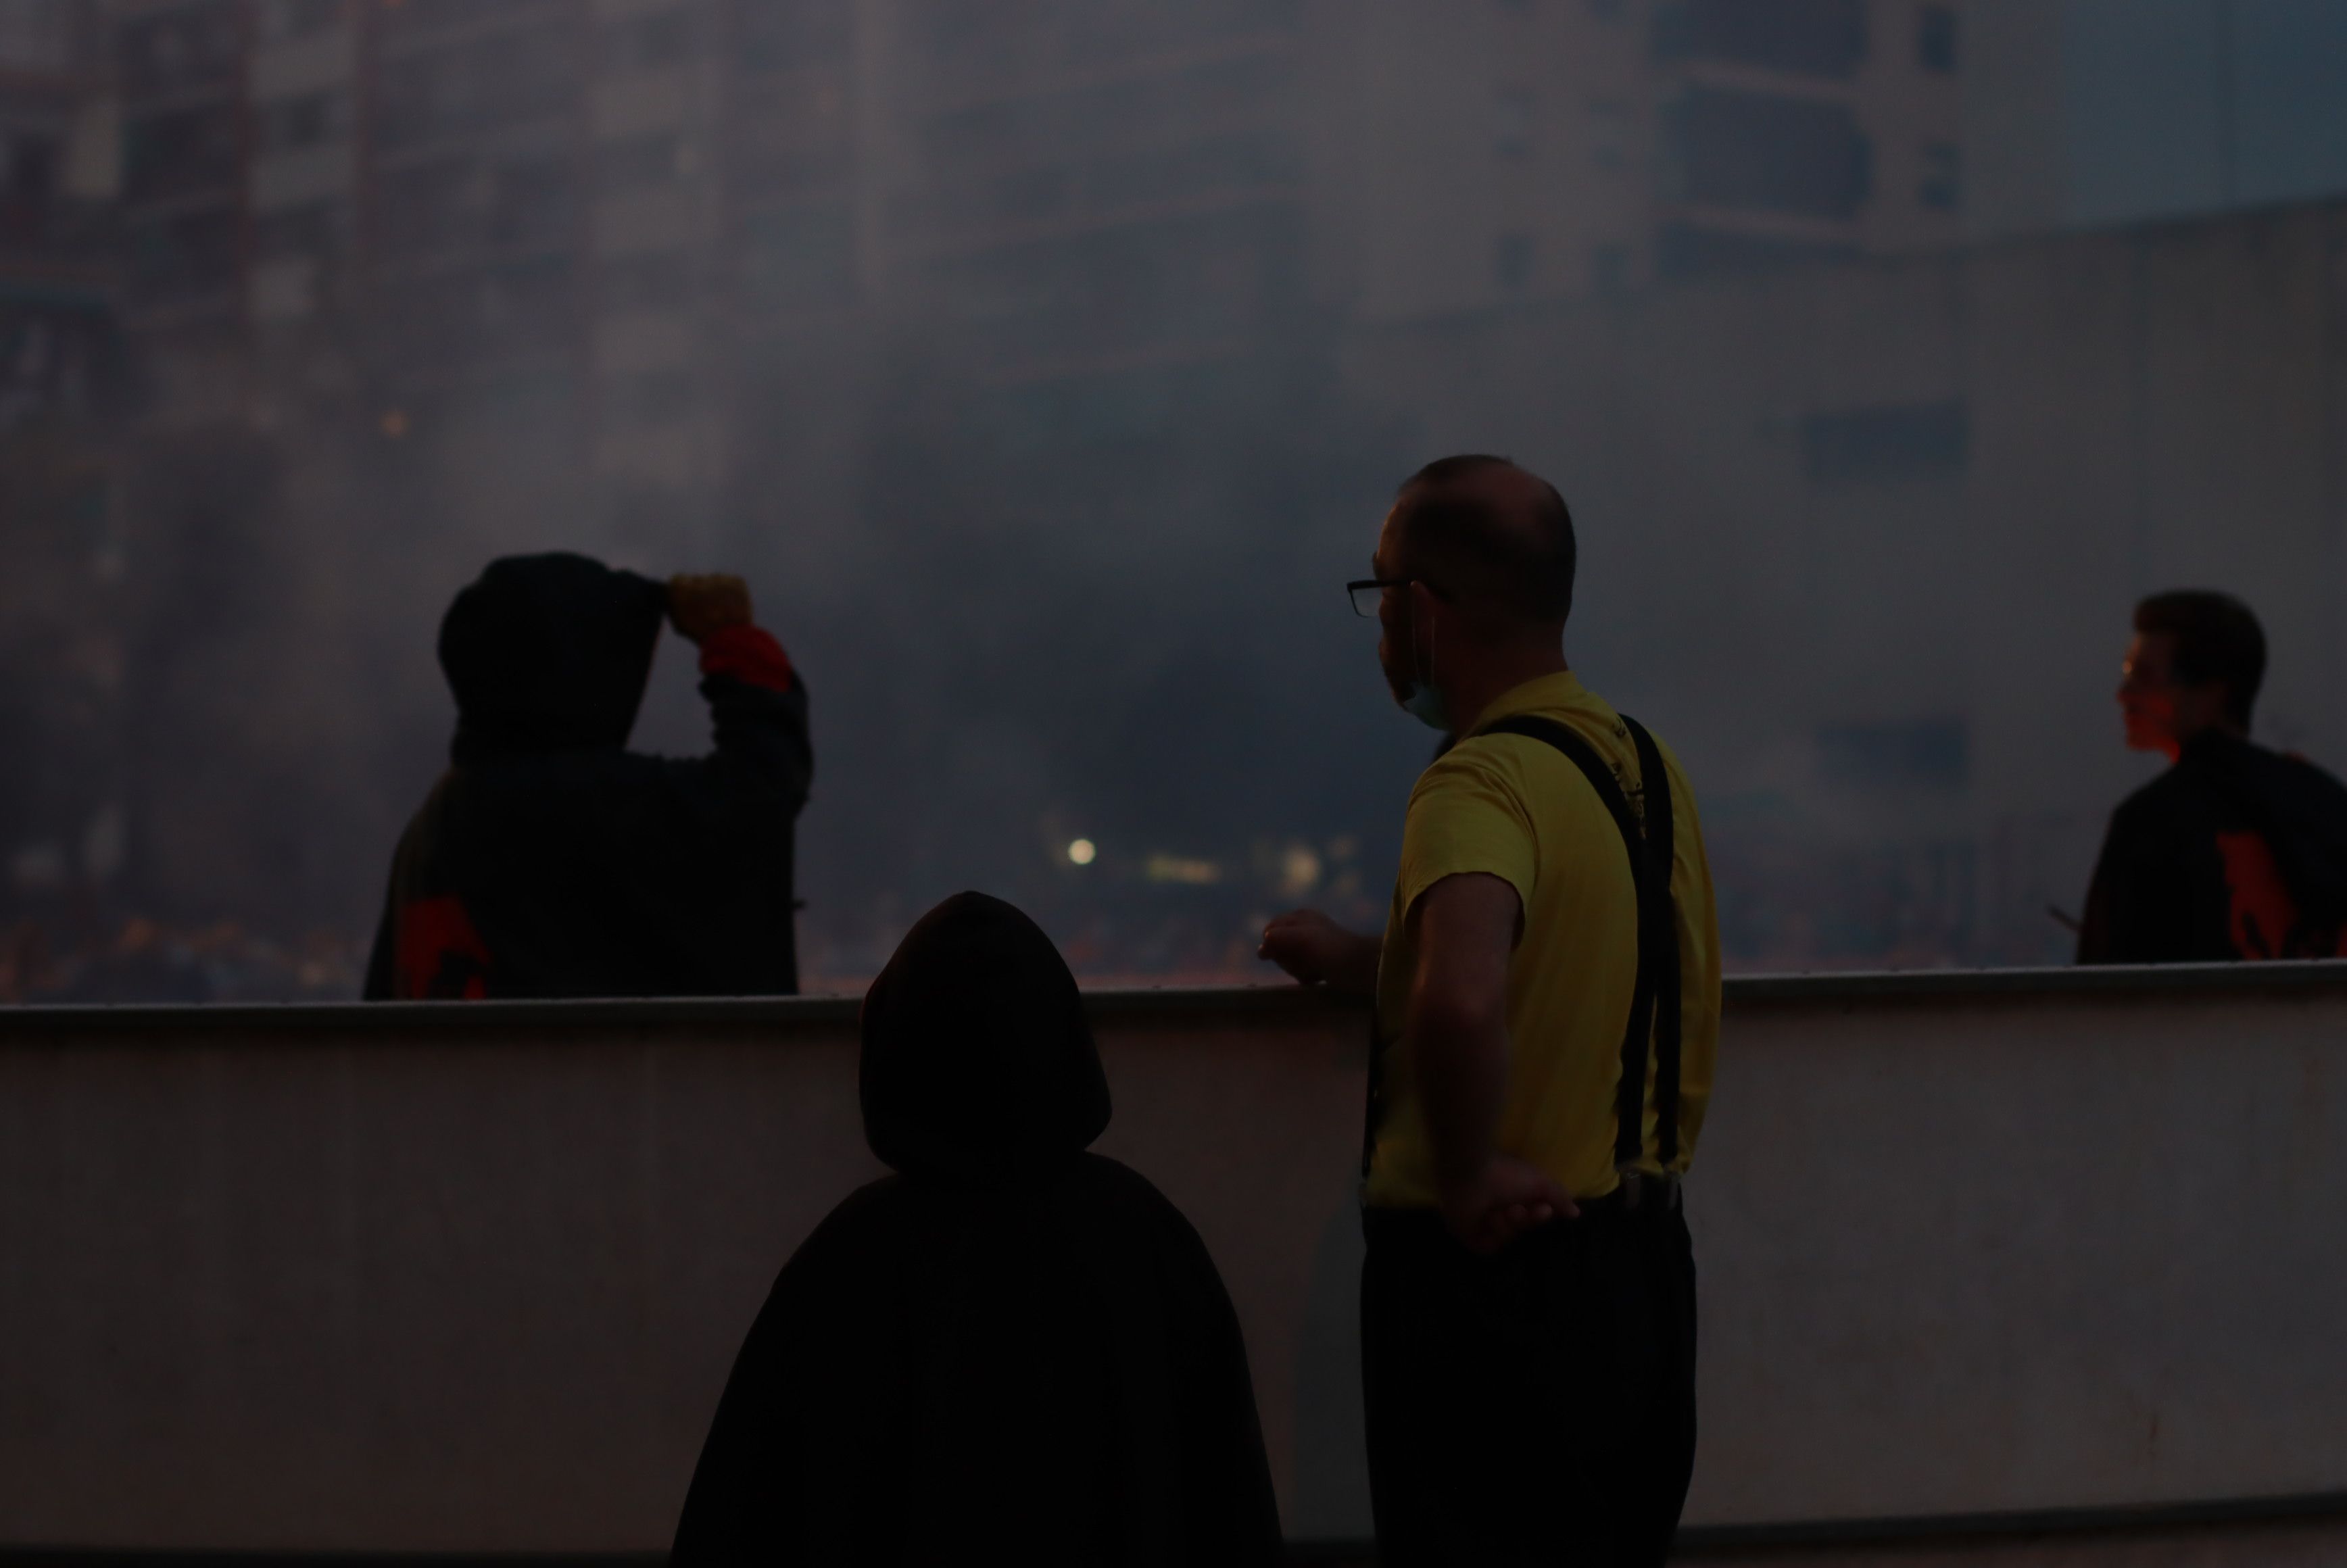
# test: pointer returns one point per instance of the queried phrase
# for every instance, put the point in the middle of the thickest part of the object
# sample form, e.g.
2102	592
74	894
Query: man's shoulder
1470	783
1467	760
1571	707
1525	779
1602	727
1497	764
2171	790
2313	782
2165	824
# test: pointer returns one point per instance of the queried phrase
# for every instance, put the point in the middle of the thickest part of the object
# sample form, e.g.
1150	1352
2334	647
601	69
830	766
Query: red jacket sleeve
749	654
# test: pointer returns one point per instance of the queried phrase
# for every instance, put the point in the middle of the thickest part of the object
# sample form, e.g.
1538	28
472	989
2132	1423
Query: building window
282	21
1688	251
29	165
523	307
196	46
779	35
411	17
645	160
428	206
535	205
1890	444
477	316
1936	39
453	205
294	125
1609	136
1511	122
650	43
1609	269
799	259
473	85
181	153
1941	187
1799	37
314	229
185	257
36	35
657	397
1763	152
657	280
1512	262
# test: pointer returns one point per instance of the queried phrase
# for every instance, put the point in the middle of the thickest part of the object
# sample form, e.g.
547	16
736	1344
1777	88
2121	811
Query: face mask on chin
1424	703
1422	699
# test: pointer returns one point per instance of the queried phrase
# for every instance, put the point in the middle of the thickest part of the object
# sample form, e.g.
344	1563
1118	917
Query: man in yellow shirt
1547	994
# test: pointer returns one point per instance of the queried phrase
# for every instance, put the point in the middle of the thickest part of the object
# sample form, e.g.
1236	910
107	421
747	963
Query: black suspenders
1655	1000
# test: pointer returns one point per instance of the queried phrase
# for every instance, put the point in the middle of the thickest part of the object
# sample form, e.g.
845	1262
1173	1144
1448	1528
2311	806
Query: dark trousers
1533	1407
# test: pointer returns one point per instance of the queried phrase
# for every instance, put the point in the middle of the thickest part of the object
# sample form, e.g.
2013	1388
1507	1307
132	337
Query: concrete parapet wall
468	1277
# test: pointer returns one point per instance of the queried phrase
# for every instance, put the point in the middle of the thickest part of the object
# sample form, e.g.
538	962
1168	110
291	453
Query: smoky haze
1047	368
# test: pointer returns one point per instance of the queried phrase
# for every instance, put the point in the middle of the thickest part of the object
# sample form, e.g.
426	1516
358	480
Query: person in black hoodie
1011	1349
2235	852
551	861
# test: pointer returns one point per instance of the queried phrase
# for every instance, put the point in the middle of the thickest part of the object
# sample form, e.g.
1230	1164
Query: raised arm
757	701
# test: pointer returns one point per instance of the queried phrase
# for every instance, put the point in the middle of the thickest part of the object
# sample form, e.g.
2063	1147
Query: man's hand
1501	1201
1319	952
698	606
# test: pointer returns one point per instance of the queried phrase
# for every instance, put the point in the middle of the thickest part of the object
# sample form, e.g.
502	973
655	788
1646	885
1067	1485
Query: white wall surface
469	1277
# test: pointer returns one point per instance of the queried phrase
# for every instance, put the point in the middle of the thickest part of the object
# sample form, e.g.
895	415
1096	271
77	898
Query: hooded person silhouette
1010	1347
551	861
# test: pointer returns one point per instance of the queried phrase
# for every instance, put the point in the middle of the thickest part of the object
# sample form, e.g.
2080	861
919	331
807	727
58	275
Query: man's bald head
1484	532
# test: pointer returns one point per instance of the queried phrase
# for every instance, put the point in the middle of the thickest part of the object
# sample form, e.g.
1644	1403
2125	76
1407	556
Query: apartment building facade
903	305
62	594
550	218
1532	148
635	231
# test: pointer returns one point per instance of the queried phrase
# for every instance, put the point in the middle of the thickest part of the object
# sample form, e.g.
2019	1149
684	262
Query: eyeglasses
1366	593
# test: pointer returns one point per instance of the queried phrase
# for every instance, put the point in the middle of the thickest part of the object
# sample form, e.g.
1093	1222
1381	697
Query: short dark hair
1522	558
2217	639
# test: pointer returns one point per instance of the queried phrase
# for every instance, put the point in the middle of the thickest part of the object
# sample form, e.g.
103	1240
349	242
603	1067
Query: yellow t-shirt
1521	810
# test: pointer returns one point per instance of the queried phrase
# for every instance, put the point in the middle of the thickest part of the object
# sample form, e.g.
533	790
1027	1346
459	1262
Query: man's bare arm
1457	1025
1319	952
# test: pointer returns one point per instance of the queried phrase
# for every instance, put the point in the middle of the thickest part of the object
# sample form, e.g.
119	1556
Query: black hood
548	653
978	1065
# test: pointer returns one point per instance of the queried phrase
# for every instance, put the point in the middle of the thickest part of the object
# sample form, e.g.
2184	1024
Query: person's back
2235	852
1509	804
1012	1347
551	861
